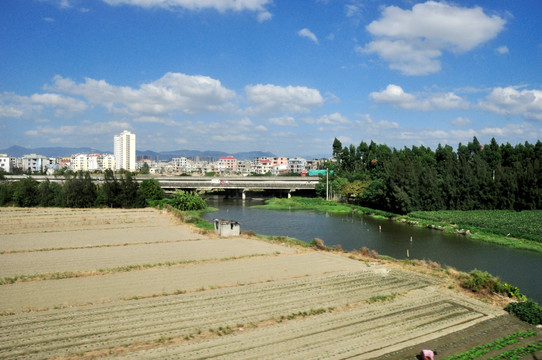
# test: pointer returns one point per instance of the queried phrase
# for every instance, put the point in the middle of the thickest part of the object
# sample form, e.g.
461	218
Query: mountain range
19	151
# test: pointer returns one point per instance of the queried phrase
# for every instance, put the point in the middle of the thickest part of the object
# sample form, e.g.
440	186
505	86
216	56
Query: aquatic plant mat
106	283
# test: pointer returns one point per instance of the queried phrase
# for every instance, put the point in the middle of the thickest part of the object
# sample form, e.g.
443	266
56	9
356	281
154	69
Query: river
518	267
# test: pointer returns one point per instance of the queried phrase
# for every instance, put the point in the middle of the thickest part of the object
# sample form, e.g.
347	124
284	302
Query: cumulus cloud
511	101
283	121
275	99
396	96
17	106
86	127
172	92
64	105
412	41
306	33
461	121
330	119
257	6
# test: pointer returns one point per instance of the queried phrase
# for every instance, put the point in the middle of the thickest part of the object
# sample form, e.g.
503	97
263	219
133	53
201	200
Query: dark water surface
518	267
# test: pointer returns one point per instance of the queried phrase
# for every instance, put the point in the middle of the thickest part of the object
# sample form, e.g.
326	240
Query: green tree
109	191
6	194
25	192
49	194
145	169
337	148
79	191
150	189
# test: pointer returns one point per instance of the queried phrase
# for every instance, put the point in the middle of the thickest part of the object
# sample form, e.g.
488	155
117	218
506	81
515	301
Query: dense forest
475	177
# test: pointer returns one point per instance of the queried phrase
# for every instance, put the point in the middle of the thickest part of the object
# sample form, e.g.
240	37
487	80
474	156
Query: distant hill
19	151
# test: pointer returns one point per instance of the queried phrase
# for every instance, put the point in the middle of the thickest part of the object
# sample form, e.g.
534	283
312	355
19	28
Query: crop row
355	332
87	259
481	350
143	283
120	324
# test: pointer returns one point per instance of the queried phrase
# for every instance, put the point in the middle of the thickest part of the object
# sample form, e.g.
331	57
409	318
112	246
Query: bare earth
138	285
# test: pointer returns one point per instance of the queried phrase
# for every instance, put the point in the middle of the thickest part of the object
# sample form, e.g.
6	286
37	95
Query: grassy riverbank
520	230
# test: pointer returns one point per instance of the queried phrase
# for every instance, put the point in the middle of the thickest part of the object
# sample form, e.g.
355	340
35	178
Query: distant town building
5	163
79	162
229	163
262	166
296	165
125	151
34	163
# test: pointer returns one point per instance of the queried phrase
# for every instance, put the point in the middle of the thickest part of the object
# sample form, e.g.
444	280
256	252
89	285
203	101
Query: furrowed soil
136	284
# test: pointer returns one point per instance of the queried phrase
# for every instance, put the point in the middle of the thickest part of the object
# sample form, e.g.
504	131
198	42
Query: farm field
136	284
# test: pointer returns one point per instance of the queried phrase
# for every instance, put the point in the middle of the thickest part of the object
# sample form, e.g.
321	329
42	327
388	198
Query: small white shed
227	227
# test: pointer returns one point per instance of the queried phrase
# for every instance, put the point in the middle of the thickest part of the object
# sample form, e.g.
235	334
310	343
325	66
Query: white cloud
331	119
85	128
257	6
502	50
10	111
172	92
306	33
275	99
396	96
412	41
17	106
461	121
64	105
352	10
283	121
511	101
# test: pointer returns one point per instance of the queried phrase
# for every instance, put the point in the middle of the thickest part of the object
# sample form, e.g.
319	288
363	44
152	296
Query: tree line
475	177
80	191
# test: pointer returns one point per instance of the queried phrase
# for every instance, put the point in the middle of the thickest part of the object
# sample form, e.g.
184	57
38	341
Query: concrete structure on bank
227	227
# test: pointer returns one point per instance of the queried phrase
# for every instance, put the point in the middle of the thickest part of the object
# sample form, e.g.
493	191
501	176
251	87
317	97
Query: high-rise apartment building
125	151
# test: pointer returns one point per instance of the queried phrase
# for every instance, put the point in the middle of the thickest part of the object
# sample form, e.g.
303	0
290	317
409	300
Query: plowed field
136	285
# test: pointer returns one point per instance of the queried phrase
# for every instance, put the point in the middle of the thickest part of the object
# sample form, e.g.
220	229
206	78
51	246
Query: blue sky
286	76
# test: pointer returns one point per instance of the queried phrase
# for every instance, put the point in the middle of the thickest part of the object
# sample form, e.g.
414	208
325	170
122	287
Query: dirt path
217	297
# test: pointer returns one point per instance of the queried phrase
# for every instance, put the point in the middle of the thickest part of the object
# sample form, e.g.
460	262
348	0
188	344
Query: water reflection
521	268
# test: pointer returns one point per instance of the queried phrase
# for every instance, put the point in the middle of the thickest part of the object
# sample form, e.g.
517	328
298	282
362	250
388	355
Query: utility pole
327	186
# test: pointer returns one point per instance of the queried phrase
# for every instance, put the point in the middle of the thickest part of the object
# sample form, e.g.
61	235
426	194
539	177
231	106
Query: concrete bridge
239	185
232	185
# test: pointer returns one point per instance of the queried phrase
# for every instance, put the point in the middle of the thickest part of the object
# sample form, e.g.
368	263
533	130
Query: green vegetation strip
481	350
106	271
321	205
518	224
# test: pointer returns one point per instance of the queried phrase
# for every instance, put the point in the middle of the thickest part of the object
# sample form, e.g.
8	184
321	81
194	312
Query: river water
518	267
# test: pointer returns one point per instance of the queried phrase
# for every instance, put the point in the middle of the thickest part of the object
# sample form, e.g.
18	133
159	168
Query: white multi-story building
108	162
297	165
262	166
181	164
34	163
79	162
95	162
5	163
125	151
